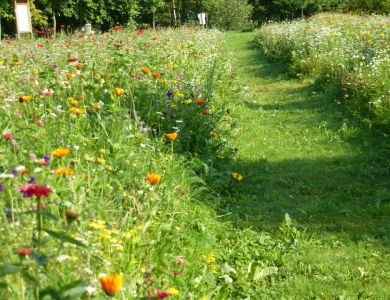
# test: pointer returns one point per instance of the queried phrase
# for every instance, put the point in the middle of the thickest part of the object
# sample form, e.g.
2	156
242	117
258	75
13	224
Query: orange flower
119	91
200	101
69	75
63	171
171	136
153	178
60	152
24	171
155	75
145	70
17	63
25	98
111	284
77	111
78	66
73	102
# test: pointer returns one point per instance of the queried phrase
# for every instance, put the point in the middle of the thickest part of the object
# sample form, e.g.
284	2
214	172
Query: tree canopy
223	14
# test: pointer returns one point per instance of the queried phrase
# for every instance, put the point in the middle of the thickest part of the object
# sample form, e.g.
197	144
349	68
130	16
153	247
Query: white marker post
202	19
23	17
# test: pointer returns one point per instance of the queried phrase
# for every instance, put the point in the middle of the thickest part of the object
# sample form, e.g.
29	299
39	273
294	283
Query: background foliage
223	14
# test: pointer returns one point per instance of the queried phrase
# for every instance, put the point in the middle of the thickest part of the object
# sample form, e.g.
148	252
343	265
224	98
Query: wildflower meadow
94	190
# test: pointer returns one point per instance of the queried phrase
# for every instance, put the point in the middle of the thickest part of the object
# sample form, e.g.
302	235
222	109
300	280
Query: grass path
300	155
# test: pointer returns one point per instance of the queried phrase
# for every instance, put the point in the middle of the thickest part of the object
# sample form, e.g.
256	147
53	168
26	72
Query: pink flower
176	272
180	260
162	294
7	136
32	78
35	190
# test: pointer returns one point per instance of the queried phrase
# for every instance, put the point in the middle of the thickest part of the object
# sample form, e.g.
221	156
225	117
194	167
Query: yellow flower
98	225
77	111
25	98
63	171
111	284
188	101
100	161
119	91
210	258
173	106
173	291
96	106
237	176
60	152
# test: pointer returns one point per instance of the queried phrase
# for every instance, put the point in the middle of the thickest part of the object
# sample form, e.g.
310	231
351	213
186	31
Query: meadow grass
302	155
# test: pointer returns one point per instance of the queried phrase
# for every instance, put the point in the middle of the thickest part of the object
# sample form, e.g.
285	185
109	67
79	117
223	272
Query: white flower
37	170
90	290
62	258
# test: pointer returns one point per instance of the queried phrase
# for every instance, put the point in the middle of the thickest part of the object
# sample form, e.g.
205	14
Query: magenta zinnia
35	190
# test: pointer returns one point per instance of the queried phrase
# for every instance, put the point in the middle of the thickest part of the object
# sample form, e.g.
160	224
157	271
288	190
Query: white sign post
202	19
23	17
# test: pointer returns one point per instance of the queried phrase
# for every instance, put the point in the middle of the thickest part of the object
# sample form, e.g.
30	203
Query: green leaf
9	269
262	273
64	237
72	290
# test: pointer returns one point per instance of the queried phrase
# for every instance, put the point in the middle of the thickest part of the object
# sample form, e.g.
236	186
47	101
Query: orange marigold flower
77	111
119	91
17	63
69	75
78	66
145	70
111	284
73	102
60	152
155	75
25	98
200	101
24	171
63	171
153	178
171	136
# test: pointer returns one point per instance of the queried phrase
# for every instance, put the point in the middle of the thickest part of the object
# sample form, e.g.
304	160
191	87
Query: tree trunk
54	25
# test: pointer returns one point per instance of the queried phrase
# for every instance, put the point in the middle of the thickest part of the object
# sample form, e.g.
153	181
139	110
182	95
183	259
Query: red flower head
162	294
7	136
72	59
35	190
24	252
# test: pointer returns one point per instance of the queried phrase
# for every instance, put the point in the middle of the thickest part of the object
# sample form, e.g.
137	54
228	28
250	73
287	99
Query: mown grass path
301	155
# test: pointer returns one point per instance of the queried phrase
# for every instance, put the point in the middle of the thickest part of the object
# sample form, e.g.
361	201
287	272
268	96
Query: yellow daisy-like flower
188	101
60	152
238	177
210	258
173	291
77	111
63	171
100	161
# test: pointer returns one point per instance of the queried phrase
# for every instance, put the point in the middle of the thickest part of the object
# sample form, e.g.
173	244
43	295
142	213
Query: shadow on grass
345	196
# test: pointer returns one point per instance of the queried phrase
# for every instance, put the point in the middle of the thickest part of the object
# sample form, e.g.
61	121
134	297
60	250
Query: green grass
300	154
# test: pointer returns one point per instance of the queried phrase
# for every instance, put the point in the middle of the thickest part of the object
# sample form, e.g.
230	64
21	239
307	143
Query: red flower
117	28
24	252
7	136
72	59
62	26
176	272
35	190
162	294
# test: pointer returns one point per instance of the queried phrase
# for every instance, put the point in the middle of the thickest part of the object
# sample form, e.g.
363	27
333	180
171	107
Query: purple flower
46	158
169	93
14	172
2	187
32	180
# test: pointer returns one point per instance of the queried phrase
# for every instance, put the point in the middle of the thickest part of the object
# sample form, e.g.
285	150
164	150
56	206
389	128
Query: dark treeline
223	14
